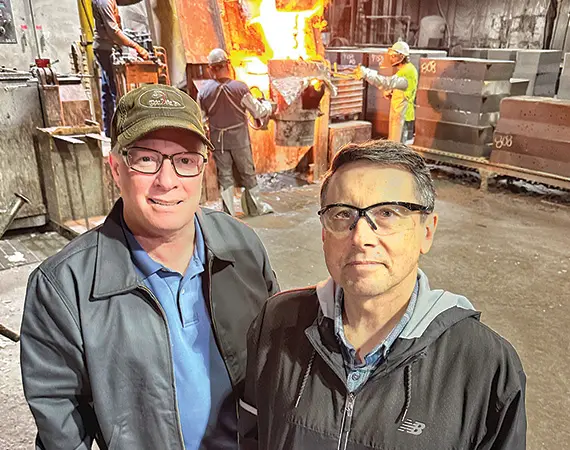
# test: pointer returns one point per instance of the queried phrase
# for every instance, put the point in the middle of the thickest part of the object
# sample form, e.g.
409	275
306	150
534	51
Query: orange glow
317	84
284	31
285	35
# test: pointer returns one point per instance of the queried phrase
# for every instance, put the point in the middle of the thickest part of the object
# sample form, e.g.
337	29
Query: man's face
362	262
161	204
395	57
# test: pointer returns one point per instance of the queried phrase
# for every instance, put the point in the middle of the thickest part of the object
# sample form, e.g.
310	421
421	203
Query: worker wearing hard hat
401	87
225	103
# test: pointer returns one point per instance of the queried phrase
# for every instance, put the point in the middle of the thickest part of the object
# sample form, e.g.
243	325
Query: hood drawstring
305	378
408	393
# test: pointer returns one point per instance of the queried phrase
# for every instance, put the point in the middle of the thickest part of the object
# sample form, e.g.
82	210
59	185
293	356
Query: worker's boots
252	205
228	200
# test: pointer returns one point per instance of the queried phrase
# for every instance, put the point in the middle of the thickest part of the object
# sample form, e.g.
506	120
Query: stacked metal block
458	103
542	68
378	106
564	86
478	53
343	133
534	133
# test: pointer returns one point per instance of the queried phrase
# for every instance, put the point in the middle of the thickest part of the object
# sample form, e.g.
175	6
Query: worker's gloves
362	72
257	108
142	52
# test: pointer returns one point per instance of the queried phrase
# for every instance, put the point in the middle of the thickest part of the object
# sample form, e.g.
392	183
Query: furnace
274	47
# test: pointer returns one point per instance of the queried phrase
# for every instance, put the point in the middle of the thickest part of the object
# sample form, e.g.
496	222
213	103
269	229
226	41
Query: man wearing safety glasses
134	335
374	358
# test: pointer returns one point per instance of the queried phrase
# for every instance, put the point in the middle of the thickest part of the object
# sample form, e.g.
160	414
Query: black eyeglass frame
124	152
362	212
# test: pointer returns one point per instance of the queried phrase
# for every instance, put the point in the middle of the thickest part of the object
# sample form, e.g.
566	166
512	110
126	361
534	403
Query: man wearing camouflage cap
134	334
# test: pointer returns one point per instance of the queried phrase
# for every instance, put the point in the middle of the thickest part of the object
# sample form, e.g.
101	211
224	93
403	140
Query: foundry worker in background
135	333
108	33
373	357
225	103
401	88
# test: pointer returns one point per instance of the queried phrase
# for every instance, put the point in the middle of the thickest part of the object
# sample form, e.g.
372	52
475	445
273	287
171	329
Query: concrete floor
510	254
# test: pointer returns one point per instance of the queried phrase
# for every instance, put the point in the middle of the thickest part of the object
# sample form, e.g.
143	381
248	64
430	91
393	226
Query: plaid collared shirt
359	372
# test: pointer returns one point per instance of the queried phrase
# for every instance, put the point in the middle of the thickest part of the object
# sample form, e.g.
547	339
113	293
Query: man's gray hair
386	154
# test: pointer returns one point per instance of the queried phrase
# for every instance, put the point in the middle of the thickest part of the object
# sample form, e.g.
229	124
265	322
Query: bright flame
284	36
284	31
317	84
251	70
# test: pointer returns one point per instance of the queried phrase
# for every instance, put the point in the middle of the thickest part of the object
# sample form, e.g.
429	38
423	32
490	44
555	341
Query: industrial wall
499	23
41	29
491	23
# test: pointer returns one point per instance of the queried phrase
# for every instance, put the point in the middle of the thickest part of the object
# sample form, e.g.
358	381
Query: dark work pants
242	159
108	88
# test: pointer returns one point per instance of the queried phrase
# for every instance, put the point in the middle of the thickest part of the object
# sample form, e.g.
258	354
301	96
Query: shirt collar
146	266
348	350
198	261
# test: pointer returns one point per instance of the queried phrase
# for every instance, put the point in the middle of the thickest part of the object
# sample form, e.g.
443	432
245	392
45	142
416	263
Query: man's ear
114	163
428	228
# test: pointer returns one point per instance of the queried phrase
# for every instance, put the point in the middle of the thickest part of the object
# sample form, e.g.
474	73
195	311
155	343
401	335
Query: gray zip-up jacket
95	350
448	382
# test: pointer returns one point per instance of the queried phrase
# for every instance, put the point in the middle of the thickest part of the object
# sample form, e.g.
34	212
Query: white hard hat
217	56
401	47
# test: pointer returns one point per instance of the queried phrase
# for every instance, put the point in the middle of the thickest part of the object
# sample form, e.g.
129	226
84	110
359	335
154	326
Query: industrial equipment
65	101
257	35
297	87
21	112
131	72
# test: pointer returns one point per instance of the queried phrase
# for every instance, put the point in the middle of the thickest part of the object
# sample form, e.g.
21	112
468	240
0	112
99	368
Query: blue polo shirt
201	378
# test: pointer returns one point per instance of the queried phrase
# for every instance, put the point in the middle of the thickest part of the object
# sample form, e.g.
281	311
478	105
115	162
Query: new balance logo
411	427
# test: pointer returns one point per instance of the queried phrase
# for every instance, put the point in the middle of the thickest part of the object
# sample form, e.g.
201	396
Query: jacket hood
436	311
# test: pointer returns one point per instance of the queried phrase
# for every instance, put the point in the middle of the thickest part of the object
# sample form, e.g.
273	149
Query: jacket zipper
215	329
163	313
346	422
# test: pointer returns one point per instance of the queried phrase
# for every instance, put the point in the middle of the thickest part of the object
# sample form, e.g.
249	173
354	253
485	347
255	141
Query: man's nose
363	234
167	176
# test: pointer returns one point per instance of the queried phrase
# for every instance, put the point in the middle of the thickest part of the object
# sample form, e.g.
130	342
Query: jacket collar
435	312
114	270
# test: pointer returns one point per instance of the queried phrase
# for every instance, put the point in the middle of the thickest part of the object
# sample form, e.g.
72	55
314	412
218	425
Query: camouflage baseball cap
153	107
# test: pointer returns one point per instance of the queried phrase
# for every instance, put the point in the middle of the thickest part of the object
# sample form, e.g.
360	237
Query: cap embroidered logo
157	98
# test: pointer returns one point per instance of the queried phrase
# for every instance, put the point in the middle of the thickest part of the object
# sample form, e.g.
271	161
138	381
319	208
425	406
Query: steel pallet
488	169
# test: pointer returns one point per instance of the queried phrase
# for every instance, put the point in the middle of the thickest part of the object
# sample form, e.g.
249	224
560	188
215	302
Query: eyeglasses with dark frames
384	218
150	161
